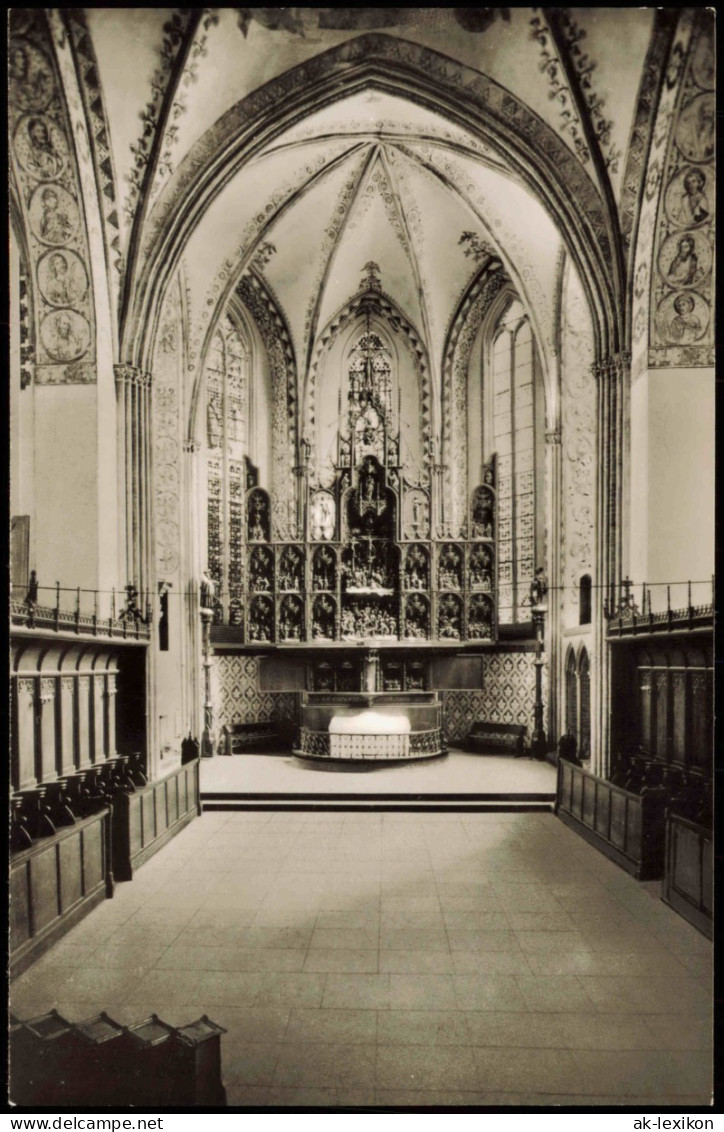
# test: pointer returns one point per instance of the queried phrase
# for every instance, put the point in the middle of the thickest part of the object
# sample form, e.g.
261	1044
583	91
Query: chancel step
475	803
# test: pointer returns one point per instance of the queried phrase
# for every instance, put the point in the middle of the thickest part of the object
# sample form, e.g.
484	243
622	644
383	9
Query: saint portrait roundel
30	77
689	195
65	335
696	129
40	147
62	280
682	318
685	259
54	217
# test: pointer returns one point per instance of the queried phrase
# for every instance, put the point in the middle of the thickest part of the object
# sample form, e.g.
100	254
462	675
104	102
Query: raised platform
459	782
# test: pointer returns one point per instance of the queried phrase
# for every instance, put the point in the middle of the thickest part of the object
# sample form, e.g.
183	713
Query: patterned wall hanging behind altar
44	164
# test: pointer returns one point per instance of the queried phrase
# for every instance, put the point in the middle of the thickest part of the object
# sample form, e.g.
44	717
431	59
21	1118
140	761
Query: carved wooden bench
496	738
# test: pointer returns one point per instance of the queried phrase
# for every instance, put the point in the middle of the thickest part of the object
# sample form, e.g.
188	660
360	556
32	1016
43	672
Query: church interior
361	556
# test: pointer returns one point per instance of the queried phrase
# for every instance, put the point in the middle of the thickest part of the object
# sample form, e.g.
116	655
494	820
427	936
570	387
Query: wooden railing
627	827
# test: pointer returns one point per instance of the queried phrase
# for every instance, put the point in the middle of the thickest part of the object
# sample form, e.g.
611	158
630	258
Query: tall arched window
584	692
571	695
514	412
227	383
584	600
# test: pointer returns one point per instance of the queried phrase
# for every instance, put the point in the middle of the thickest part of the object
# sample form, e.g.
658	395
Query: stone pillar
612	376
84	721
68	753
25	708
110	715
195	561
133	392
99	721
207	739
554	506
46	711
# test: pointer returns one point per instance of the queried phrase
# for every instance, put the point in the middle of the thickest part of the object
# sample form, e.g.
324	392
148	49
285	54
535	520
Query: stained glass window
514	439
226	379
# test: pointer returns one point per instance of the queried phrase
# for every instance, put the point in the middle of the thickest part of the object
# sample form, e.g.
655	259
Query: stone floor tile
301	989
422	992
251	1025
331	1064
415	939
488	992
406	1098
249	1063
417	962
430	1067
513	1029
422	1027
325	1026
557	993
366	991
342	959
348	938
527	1070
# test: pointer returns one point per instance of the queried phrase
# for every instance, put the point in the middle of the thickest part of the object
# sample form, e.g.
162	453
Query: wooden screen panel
603	811
687	863
94	857
70	872
44	889
618	820
700	751
19	907
589	802
661	694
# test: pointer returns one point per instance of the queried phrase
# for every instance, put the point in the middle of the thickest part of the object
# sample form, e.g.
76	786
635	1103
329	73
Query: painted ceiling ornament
478	20
273	19
371	278
476	247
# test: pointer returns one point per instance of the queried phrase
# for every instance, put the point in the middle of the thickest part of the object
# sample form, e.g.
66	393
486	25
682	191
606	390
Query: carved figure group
481	569
368	621
260	621
450	569
324	573
416	569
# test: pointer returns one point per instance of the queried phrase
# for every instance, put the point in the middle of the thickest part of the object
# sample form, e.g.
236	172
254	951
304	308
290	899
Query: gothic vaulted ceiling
369	176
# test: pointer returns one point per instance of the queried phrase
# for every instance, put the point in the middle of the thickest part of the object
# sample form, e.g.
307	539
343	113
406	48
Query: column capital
553	435
192	446
611	365
131	375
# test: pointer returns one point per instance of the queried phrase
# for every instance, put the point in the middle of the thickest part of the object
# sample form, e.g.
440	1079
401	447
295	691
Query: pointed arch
547	167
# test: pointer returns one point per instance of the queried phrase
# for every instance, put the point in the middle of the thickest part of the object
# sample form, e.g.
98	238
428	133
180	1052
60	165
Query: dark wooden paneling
589	802
456	673
628	827
687	884
54	884
144	821
70	871
20	922
44	893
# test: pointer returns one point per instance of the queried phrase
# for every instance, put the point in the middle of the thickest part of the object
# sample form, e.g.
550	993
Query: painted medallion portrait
65	334
62	279
683	318
54	217
685	259
29	75
696	130
40	147
703	66
689	197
